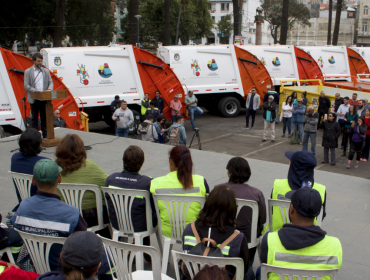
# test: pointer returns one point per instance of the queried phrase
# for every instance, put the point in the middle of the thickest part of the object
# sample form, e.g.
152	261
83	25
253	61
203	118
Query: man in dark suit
58	120
37	78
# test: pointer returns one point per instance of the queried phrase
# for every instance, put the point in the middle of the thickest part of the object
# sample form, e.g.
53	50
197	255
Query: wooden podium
48	96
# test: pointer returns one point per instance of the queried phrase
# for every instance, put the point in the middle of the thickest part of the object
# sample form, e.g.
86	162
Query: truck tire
229	107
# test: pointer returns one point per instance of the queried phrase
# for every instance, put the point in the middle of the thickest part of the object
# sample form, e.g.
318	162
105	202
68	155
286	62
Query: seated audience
239	172
58	120
211	273
80	258
10	238
129	178
179	181
301	244
44	213
160	127
29	153
300	174
147	130
13	272
217	221
71	156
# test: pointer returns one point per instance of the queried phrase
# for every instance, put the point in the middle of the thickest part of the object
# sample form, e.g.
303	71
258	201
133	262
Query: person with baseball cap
115	104
269	115
80	257
44	213
298	113
300	174
301	244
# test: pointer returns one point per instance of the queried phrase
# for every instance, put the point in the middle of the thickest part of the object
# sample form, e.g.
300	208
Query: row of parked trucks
221	76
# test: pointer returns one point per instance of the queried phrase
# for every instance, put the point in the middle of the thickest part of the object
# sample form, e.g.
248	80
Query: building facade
363	36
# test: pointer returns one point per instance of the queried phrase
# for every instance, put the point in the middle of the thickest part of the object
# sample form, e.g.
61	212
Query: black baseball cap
116	97
306	201
82	249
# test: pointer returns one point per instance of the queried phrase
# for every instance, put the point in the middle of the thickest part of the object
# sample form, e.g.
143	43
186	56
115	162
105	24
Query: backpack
294	138
175	136
201	249
144	127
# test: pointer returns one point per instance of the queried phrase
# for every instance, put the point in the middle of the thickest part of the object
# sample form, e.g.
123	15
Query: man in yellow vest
301	245
145	105
300	174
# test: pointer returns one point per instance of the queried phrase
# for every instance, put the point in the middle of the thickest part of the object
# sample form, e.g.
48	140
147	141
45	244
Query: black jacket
59	123
324	104
274	94
158	103
331	133
114	106
271	108
338	102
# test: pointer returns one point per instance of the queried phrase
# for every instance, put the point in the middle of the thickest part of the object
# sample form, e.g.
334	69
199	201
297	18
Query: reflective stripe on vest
326	254
143	109
15	250
281	187
192	241
2	268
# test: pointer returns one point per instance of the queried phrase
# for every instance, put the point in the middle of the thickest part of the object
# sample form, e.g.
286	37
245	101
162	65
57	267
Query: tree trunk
178	25
167	26
133	22
241	16
337	23
328	42
236	17
284	22
101	27
59	21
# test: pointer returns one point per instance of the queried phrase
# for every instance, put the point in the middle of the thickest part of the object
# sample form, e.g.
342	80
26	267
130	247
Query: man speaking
37	78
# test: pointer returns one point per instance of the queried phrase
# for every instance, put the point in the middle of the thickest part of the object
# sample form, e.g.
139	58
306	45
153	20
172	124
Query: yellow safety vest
281	187
143	109
2	268
326	254
169	184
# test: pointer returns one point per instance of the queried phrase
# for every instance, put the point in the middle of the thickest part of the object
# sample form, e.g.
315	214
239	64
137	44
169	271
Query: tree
167	26
328	41
284	22
59	22
298	14
337	22
224	27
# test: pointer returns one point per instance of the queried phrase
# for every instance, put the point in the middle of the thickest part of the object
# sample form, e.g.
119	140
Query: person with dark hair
217	221
175	106
354	99
252	105
338	101
152	111
37	78
330	138
116	104
177	133
300	175
361	108
77	169
158	102
304	99
80	258
124	118
147	129
44	213
160	127
239	172
301	244
211	273
341	114
365	150
294	97
287	108
357	143
29	153
324	105
349	119
179	181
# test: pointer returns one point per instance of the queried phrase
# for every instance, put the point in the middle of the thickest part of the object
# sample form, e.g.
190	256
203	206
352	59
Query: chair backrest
177	207
283	207
38	247
254	223
122	200
73	195
121	255
297	274
194	260
23	183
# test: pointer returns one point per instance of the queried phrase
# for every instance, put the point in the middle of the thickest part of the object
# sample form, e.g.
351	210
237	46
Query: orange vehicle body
307	66
356	63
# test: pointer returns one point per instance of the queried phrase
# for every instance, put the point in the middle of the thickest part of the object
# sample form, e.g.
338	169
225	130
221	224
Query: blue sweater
298	113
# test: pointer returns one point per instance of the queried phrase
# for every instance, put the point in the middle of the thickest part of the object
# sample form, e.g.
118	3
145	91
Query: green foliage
224	27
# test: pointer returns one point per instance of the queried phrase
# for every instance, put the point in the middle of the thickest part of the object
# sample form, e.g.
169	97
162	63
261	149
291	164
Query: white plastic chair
73	194
297	274
177	207
122	200
194	260
9	254
254	224
38	247
284	206
23	183
120	258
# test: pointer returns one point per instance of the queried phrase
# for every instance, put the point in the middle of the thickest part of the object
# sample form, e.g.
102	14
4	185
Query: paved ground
347	211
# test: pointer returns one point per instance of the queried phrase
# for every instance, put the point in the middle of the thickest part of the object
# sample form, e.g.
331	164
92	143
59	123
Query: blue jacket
298	113
158	128
183	138
114	107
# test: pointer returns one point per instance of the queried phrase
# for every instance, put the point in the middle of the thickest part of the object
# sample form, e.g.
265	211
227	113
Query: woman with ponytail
80	258
180	181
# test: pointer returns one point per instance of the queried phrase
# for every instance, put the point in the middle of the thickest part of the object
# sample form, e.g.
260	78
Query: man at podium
37	78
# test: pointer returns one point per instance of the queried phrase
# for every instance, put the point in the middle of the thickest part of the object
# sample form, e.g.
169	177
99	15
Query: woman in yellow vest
301	174
180	181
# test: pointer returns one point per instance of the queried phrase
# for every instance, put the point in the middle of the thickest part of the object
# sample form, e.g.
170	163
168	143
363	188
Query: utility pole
328	41
138	21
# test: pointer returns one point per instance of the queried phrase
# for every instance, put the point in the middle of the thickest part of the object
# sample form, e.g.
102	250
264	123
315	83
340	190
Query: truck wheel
229	107
136	123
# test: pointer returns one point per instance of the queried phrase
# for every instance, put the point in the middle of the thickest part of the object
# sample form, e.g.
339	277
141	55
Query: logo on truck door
195	67
276	61
57	61
212	65
83	74
331	60
104	71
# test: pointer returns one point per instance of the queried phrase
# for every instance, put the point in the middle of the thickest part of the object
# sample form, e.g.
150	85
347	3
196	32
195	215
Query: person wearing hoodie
300	174
330	137
148	126
80	258
358	138
179	125
301	244
123	118
310	119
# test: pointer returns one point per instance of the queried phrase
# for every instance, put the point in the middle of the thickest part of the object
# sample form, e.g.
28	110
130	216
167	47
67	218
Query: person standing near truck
191	104
324	105
145	105
116	104
175	106
271	91
158	102
252	104
123	118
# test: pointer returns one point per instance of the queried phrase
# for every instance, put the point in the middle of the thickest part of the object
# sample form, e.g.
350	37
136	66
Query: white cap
271	96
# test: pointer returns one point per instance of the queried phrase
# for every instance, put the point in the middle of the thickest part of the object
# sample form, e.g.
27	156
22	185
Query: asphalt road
228	136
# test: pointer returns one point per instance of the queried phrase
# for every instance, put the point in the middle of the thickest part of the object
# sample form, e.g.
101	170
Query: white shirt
342	109
286	113
39	82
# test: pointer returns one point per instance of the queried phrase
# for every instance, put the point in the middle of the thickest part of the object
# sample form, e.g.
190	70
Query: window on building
224	6
212	7
366	10
214	19
364	27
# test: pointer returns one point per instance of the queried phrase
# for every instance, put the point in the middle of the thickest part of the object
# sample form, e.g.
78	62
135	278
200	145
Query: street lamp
138	20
